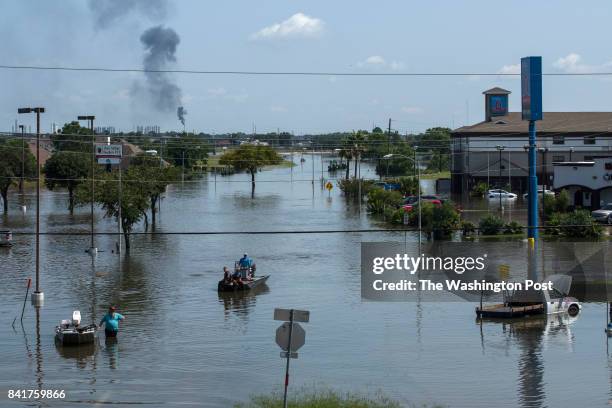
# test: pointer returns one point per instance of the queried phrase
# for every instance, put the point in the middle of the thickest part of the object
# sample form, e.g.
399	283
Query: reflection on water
532	337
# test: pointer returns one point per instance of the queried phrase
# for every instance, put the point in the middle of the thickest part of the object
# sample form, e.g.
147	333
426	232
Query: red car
412	201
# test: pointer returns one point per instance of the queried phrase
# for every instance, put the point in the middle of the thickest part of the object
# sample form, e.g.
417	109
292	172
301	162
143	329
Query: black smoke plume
160	48
181	112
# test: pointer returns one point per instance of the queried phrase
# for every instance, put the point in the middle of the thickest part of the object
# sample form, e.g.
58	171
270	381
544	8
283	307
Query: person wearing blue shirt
245	261
111	322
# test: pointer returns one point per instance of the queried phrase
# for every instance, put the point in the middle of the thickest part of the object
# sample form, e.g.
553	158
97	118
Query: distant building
105	130
589	183
562	136
148	130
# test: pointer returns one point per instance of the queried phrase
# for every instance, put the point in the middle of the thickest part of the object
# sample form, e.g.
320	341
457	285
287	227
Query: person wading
111	322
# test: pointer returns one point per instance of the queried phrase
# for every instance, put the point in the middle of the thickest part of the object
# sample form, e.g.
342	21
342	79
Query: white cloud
298	25
510	69
377	61
412	110
572	64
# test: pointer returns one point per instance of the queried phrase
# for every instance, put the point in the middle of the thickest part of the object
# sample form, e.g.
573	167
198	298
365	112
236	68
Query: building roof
496	91
554	122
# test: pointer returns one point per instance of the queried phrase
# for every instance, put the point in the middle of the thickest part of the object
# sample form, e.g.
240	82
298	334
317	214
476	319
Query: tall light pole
38	296
500	149
22	128
416	163
91	118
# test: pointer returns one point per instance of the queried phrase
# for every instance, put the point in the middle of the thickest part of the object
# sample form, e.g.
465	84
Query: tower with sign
496	103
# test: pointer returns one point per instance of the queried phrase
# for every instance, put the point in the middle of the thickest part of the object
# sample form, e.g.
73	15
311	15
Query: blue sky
291	35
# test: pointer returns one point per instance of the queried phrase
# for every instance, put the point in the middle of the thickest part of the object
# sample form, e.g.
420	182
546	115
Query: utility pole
38	296
92	248
388	145
22	128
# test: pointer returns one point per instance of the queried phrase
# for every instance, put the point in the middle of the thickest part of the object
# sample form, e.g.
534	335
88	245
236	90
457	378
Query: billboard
531	88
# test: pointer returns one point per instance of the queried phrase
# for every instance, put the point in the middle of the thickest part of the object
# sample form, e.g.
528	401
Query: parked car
546	192
411	201
604	214
501	193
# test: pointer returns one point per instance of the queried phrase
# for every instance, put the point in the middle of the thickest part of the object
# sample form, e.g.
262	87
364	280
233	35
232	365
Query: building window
589	140
558	158
558	139
588	158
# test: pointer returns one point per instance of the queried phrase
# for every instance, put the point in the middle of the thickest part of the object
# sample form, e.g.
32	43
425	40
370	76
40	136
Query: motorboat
71	333
247	280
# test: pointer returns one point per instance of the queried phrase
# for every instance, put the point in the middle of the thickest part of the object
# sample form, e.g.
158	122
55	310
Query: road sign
329	186
298	336
109	160
284	354
298	315
109	150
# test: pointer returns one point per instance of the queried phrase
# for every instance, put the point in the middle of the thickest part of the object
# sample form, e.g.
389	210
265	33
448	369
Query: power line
288	73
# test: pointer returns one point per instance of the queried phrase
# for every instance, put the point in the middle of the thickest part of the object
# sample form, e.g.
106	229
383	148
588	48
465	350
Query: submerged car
540	192
497	193
604	214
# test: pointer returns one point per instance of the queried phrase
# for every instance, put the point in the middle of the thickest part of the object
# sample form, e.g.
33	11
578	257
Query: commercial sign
531	88
498	105
109	153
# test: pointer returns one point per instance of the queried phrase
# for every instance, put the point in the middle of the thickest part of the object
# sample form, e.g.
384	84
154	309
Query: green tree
251	159
436	141
11	167
67	170
133	197
194	150
73	138
157	180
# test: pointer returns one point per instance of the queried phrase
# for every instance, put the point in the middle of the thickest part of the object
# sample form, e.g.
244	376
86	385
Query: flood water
182	344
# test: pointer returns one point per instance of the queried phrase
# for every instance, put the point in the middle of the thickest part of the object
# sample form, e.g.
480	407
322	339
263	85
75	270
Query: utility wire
288	73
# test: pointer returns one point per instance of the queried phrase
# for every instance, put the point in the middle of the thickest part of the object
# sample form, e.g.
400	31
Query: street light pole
22	158
90	118
500	149
38	296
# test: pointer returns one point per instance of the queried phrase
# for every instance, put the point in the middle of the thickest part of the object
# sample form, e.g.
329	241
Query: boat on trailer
71	333
530	303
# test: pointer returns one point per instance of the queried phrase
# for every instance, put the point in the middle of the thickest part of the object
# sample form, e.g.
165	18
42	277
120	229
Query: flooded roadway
184	344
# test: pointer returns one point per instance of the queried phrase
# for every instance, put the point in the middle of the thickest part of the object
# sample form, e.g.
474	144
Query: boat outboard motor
76	318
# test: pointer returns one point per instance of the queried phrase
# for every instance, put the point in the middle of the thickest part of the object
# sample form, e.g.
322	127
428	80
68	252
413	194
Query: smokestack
181	112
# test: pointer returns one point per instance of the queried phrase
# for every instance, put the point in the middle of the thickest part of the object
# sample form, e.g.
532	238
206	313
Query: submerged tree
67	170
251	158
12	168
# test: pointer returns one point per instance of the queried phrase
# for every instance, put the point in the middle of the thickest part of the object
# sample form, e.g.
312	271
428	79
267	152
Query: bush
445	219
479	189
379	200
579	224
320	399
513	228
490	225
350	187
558	203
467	228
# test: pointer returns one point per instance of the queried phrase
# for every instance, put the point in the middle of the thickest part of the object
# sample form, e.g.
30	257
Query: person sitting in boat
227	276
111	322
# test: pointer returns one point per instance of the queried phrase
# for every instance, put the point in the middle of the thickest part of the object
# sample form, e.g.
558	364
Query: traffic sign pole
288	358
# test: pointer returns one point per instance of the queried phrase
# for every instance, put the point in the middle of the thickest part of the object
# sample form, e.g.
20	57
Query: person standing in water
111	322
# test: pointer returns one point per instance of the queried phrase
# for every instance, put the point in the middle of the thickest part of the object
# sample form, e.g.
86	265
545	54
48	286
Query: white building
588	182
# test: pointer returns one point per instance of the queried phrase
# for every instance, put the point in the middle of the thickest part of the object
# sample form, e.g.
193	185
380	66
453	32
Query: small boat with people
243	278
71	333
